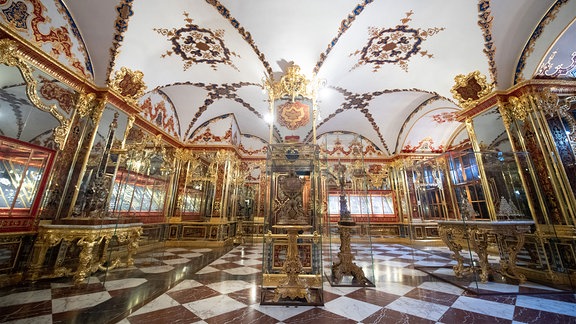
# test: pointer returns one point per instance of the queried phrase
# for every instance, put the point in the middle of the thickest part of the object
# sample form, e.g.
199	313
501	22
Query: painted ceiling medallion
129	84
468	89
394	45
293	115
197	45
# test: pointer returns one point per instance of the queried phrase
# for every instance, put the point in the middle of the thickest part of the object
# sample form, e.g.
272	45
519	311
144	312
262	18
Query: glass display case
350	209
23	175
491	235
292	248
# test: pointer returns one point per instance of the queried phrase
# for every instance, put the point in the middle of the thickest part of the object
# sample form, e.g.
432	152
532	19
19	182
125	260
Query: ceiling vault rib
245	34
344	25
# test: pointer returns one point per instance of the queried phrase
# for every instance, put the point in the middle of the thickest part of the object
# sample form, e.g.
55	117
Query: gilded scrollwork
292	84
11	56
129	84
470	88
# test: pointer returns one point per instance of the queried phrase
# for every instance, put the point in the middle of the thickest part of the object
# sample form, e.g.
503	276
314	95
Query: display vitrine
292	260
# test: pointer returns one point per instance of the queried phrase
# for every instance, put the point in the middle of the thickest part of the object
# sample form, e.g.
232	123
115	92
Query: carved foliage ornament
129	84
292	84
11	56
469	89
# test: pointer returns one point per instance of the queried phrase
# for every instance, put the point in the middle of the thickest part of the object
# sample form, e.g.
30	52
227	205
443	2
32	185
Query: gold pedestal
345	266
292	286
92	239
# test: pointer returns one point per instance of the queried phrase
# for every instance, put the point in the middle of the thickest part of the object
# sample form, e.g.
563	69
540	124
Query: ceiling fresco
388	66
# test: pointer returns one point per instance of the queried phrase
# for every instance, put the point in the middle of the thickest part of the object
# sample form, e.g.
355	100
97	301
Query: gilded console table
476	234
93	242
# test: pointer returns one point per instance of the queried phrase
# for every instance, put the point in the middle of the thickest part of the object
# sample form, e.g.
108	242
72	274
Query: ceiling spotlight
268	118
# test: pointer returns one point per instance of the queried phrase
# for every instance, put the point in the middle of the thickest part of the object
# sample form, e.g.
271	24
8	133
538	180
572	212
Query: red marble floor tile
372	296
328	296
435	297
528	315
247	296
82	289
192	294
22	311
318	316
244	315
176	314
454	315
386	316
224	266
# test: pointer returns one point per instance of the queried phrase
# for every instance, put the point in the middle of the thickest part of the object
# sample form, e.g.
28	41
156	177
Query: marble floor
190	285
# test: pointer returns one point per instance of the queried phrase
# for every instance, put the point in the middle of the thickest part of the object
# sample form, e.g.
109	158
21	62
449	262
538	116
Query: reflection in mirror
195	199
19	118
491	132
140	186
101	165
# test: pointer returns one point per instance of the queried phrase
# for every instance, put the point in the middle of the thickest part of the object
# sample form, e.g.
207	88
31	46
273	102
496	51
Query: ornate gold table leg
449	237
84	262
479	241
508	267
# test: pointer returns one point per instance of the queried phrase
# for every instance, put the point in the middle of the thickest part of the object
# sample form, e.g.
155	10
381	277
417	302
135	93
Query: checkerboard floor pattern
183	285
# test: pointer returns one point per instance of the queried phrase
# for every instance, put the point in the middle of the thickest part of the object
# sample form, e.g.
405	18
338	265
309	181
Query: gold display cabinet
292	246
350	209
491	233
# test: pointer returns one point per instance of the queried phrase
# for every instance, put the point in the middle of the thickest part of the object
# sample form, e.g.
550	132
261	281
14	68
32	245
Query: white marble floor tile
186	284
242	271
351	308
158	254
89	280
548	305
207	269
394	288
80	301
26	297
162	302
124	283
248	262
175	261
157	269
395	264
228	286
201	250
430	263
213	306
45	319
219	261
441	287
494	286
539	286
281	313
382	257
176	249
418	308
485	307
190	255
340	290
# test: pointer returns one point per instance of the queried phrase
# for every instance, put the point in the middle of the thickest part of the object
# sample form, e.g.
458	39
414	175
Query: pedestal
345	266
292	286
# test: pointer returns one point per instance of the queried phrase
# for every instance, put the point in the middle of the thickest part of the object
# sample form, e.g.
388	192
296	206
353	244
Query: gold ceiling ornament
129	84
10	54
469	89
292	84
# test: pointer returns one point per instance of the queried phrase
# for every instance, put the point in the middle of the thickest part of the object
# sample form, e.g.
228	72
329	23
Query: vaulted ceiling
389	65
